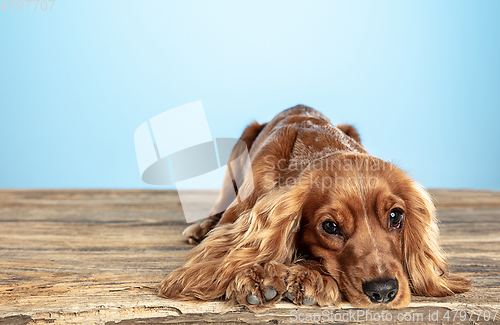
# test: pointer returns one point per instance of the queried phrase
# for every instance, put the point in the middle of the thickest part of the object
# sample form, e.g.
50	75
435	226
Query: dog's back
310	135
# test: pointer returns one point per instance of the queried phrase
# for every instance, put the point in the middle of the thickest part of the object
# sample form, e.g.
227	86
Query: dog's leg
308	284
196	232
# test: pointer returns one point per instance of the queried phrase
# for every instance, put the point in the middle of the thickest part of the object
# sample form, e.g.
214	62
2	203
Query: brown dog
325	220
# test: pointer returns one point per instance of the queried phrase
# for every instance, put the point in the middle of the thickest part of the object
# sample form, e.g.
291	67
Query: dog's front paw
197	231
308	286
259	286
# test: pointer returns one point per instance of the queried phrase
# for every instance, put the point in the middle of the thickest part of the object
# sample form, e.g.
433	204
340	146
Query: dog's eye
330	227
395	218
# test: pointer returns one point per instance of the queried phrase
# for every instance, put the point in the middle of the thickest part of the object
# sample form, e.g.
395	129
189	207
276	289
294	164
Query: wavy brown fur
275	238
255	238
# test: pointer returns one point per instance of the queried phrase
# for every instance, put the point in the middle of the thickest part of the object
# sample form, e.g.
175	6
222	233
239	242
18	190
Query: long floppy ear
423	257
265	233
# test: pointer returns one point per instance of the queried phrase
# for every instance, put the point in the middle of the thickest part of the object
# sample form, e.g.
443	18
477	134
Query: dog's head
374	231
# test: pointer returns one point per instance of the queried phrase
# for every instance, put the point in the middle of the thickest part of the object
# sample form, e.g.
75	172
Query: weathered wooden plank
96	257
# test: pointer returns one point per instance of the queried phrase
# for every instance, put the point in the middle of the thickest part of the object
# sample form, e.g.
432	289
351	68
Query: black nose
381	290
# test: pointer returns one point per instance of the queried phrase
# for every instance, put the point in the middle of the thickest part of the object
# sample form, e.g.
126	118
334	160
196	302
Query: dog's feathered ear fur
267	232
423	258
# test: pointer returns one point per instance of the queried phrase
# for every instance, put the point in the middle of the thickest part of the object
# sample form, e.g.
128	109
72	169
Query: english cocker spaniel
325	221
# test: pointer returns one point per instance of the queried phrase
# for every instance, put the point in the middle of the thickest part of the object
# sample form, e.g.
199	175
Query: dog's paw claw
193	241
253	300
308	302
270	293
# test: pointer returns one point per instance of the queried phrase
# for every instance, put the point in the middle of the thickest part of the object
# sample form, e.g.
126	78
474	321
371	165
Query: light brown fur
307	172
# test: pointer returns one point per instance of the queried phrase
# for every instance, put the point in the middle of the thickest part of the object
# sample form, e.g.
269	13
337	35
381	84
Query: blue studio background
419	79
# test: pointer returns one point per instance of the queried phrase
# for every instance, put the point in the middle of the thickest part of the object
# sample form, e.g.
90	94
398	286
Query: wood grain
97	256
